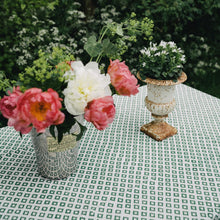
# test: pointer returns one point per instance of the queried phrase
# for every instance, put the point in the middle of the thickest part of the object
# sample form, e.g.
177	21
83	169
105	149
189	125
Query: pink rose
8	103
100	112
121	78
37	108
20	125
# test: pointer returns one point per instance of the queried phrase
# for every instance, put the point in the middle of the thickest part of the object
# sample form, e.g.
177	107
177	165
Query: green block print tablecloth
122	173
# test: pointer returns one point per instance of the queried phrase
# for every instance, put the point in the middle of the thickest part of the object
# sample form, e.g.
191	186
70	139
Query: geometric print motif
122	173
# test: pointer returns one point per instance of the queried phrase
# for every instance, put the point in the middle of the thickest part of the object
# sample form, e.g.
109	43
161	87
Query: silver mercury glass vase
56	161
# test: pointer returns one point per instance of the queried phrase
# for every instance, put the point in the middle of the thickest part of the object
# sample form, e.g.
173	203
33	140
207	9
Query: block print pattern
122	173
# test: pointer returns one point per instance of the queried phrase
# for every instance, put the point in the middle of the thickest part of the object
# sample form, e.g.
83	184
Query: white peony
85	83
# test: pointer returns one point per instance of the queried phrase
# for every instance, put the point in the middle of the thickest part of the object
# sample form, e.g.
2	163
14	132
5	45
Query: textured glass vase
56	161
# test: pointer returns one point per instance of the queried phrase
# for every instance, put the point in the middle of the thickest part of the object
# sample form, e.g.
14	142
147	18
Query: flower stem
103	34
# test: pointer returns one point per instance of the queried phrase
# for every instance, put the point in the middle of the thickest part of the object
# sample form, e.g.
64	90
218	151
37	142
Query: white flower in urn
163	61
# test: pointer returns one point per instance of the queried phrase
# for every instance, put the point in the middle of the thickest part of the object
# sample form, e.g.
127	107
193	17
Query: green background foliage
194	25
30	25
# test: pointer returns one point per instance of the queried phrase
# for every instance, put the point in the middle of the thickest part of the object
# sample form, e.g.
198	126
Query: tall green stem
103	34
100	39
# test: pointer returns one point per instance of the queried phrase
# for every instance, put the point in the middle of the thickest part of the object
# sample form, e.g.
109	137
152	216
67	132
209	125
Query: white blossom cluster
164	48
163	61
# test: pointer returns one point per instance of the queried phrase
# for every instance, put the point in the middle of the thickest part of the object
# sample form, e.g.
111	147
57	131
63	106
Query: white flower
180	51
145	51
153	47
164	52
158	53
183	58
85	84
69	75
163	44
172	44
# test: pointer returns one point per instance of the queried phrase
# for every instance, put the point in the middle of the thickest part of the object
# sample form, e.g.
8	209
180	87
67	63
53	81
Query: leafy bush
17	19
29	25
192	24
46	71
114	37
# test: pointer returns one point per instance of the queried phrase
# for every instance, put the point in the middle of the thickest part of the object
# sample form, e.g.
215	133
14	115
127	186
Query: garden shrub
29	25
193	25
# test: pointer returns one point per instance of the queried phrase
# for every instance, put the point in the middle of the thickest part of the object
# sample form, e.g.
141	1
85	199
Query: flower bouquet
52	97
49	99
75	89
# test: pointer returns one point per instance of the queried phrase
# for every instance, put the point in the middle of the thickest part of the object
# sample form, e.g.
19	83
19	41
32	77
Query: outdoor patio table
122	173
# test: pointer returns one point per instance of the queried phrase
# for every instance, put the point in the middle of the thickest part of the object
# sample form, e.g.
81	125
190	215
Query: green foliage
29	26
47	71
163	61
93	47
18	17
192	24
65	127
114	37
5	83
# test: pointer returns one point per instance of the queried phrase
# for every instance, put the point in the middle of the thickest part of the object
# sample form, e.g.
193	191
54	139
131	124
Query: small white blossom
183	58
145	51
159	56
163	44
172	44
153	47
164	52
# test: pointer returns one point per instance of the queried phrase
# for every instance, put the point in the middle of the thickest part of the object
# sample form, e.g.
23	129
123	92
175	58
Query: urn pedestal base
158	129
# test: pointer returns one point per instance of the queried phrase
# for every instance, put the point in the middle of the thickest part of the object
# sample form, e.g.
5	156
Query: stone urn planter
160	101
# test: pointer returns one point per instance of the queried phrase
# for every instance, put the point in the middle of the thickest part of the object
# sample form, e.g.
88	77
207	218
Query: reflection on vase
55	161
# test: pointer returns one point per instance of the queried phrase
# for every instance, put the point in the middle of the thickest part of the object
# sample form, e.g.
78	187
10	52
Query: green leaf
108	47
119	30
60	136
92	47
64	127
23	6
52	132
171	74
82	130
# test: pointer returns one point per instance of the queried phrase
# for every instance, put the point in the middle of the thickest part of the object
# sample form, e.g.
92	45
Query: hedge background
29	25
